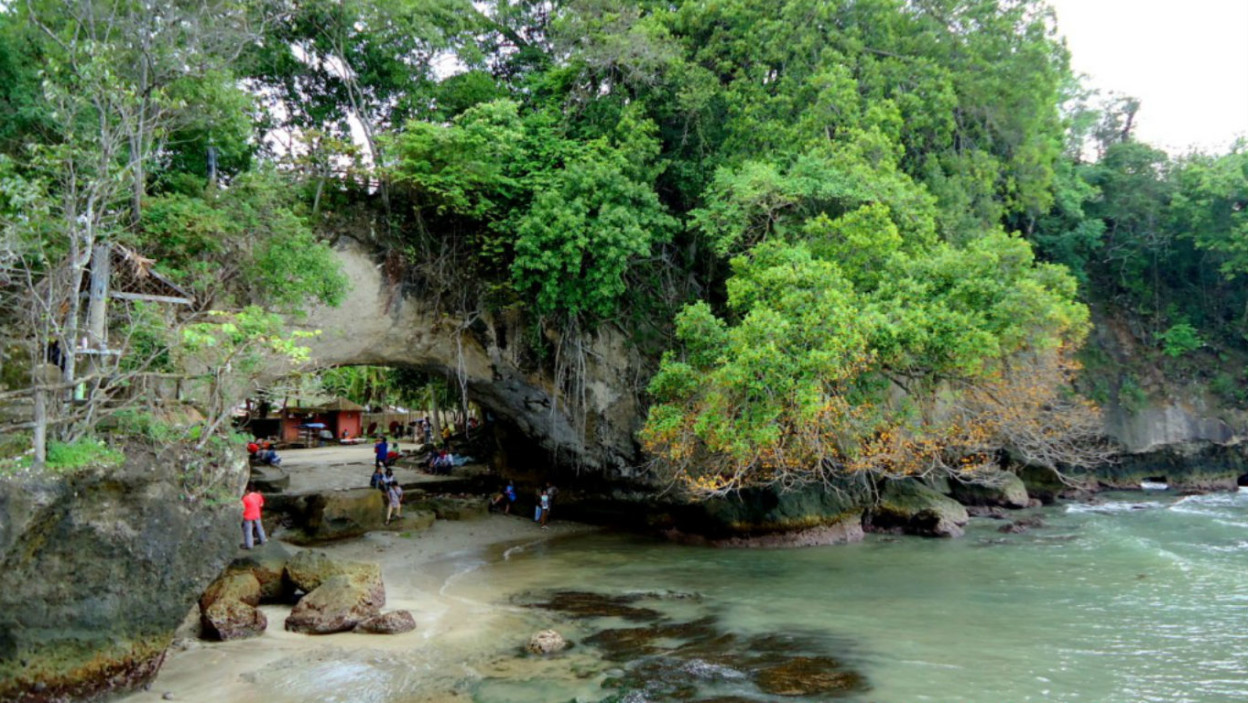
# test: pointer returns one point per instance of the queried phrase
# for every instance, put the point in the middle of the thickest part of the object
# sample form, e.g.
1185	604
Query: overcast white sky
1186	61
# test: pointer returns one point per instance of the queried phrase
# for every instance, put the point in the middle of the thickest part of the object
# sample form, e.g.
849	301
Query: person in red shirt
252	503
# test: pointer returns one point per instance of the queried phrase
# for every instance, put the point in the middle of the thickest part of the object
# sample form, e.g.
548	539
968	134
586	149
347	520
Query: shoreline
420	571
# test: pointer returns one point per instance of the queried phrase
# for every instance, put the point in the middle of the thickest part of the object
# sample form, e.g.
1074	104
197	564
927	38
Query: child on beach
394	499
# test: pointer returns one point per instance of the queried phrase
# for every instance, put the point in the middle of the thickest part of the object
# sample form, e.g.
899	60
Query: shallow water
1141	598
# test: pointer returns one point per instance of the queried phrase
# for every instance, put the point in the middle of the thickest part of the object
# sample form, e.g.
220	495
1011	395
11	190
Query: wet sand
455	638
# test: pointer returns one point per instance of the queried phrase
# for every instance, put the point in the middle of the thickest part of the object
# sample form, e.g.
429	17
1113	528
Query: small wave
1113	506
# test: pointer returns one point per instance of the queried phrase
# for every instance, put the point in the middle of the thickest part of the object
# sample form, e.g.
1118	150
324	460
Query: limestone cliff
587	419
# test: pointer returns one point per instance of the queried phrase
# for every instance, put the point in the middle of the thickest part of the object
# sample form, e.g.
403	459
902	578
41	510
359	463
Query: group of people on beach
541	509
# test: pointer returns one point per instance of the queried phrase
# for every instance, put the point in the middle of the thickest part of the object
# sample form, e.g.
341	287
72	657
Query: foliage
1179	340
81	454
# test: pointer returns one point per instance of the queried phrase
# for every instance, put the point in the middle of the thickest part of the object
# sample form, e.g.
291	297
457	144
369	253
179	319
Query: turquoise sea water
1143	597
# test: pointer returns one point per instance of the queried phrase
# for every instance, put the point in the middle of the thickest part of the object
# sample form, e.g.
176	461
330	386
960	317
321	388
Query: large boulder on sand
993	489
320	517
229	619
337	605
308	570
918	510
269	479
547	642
392	623
268	564
452	507
239	586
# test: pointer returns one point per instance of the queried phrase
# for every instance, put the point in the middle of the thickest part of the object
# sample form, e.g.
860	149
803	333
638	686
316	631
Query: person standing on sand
394	500
381	451
252	503
544	506
551	492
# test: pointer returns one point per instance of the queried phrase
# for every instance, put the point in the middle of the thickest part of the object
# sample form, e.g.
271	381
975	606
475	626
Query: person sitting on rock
378	480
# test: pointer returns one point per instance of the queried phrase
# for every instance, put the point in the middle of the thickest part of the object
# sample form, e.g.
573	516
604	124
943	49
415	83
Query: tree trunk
97	305
41	427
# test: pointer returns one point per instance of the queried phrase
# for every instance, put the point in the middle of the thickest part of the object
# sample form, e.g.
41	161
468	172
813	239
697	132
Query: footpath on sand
424	572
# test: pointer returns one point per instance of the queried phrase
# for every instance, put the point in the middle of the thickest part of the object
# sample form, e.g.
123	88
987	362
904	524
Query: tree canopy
851	235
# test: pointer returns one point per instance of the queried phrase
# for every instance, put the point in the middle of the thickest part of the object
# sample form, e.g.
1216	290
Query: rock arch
378	325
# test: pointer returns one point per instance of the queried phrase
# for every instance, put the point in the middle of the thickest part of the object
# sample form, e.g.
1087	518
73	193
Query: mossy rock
228	619
240	586
810	676
308	570
337	605
334	515
918	510
446	508
267	563
992	489
79	669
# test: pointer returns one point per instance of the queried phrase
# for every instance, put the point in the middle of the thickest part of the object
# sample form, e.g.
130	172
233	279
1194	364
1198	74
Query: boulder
337	605
333	515
267	564
101	565
918	510
308	570
452	508
239	586
228	619
993	488
269	479
411	520
546	642
392	623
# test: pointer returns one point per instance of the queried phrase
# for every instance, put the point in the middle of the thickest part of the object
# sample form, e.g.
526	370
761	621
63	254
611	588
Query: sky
1186	61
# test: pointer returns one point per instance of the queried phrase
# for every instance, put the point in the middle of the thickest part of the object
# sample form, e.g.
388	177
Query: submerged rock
917	510
584	604
810	676
546	642
392	623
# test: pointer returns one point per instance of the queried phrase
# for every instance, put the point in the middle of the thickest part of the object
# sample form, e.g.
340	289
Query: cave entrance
426	410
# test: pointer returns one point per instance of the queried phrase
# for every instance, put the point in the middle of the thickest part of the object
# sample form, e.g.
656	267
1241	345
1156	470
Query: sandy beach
456	636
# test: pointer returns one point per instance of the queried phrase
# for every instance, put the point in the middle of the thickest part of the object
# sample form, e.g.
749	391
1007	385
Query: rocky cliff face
98	568
1169	426
587	419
